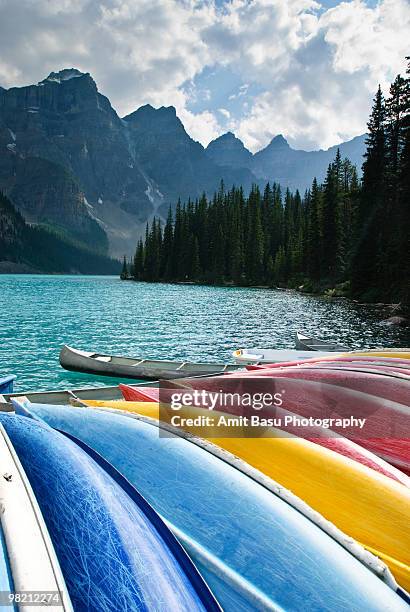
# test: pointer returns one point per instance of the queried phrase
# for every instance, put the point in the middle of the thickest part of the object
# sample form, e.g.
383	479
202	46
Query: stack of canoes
180	521
255	544
72	525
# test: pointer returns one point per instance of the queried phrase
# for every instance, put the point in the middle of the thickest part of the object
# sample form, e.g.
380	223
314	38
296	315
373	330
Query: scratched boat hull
386	429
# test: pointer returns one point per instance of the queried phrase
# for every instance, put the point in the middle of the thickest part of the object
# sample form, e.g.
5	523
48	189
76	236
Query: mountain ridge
67	159
278	161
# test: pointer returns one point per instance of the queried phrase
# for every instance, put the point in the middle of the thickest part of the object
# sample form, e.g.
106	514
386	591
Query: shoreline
393	307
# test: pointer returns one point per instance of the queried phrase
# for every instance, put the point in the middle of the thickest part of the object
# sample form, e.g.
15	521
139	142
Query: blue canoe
112	554
255	550
29	563
6	383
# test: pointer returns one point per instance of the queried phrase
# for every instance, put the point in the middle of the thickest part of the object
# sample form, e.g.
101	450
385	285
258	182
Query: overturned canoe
138	369
112	554
369	506
261	355
309	343
379	382
385	429
256	545
280	357
133	397
349	360
29	562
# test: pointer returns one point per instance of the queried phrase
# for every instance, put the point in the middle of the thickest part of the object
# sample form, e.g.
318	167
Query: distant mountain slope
279	162
65	121
177	165
36	249
67	160
227	150
295	169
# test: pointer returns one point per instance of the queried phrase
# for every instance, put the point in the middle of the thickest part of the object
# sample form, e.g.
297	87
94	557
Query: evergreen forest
347	236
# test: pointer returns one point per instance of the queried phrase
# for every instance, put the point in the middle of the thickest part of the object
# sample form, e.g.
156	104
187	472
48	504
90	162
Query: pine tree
139	261
124	271
368	257
280	266
254	243
329	223
195	266
402	283
314	247
177	243
395	141
166	271
277	232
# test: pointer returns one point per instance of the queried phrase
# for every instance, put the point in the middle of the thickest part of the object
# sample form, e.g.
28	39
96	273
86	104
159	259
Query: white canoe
261	355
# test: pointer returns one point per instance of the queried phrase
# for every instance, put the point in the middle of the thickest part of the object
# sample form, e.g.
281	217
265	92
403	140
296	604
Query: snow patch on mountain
90	210
64	75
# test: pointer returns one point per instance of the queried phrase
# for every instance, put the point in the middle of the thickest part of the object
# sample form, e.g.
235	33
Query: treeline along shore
347	236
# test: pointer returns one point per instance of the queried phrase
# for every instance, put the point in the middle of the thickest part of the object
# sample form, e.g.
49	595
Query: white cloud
202	127
315	70
319	70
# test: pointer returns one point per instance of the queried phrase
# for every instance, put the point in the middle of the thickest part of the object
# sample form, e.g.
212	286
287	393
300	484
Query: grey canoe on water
142	369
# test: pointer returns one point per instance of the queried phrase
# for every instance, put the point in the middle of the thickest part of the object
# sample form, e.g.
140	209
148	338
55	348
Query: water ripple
38	314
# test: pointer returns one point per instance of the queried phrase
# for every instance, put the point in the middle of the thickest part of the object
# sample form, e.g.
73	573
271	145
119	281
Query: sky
306	69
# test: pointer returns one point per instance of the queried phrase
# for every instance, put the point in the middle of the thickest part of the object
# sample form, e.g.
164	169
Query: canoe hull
260	355
329	483
92	363
135	398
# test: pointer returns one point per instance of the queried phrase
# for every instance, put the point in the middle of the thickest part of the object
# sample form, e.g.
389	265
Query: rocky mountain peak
227	139
279	142
149	113
163	120
228	150
65	75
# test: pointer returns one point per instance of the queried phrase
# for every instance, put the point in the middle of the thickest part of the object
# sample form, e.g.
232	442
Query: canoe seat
105	358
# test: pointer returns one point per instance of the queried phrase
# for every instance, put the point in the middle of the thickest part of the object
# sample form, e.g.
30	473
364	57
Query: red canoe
386	421
391	362
394	388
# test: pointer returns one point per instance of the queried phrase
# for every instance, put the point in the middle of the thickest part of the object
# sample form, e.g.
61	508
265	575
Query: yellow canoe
370	507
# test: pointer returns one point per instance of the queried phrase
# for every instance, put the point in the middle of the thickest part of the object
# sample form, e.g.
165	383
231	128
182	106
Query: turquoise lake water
38	314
